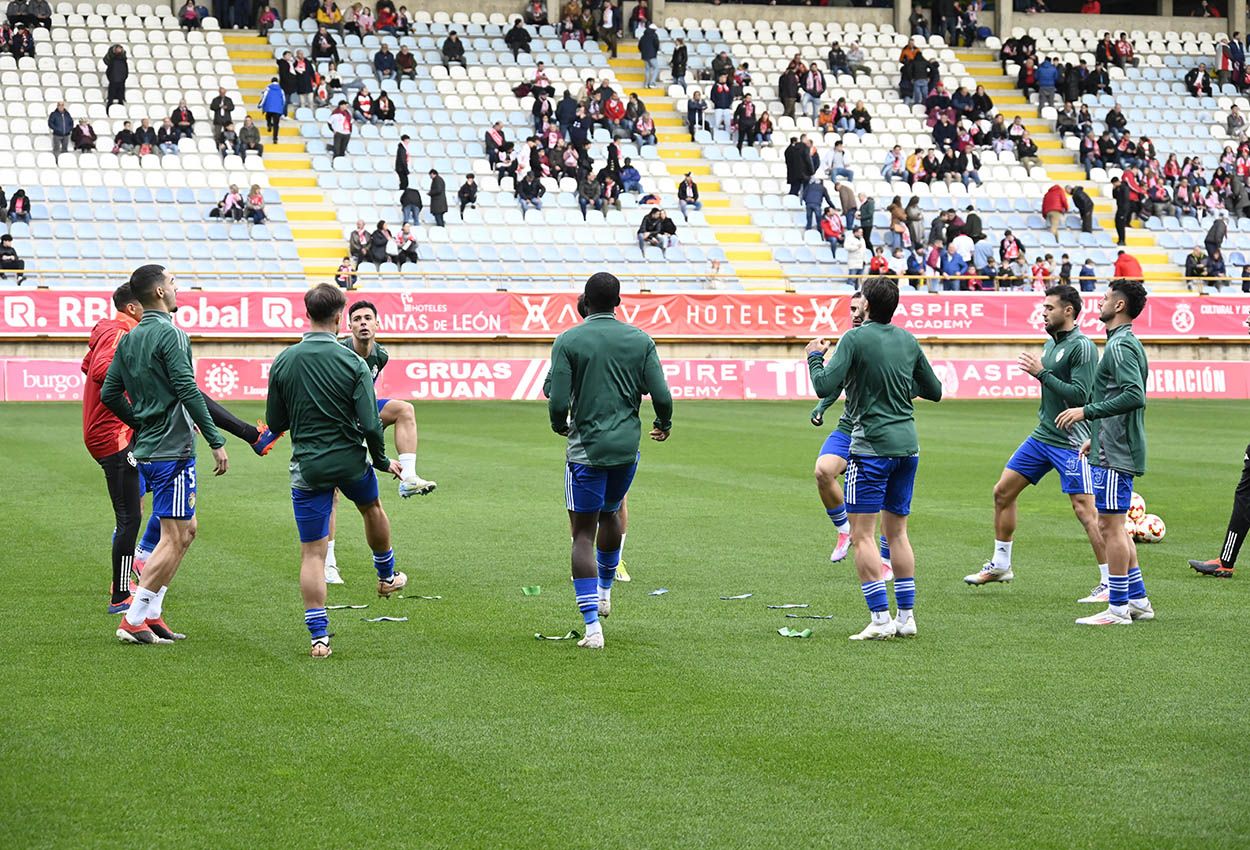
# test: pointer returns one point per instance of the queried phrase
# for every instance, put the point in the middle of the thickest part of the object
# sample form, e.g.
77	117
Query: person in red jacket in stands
1126	266
1054	208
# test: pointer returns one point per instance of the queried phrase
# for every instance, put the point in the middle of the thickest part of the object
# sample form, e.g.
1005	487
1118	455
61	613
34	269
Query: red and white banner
239	379
486	315
448	315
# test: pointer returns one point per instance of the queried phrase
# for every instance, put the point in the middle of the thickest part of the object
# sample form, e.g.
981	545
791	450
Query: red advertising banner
452	315
238	379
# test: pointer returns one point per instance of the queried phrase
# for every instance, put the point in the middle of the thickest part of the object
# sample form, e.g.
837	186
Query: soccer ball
1151	529
1132	526
1137	508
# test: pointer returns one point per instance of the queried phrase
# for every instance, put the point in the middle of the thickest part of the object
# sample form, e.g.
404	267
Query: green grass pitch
1002	725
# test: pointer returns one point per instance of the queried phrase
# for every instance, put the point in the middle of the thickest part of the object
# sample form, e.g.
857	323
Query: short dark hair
143	282
1067	295
122	296
361	305
1134	295
881	293
602	293
323	301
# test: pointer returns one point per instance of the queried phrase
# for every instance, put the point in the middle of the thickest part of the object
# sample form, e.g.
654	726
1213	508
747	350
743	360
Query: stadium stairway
731	222
318	235
1060	163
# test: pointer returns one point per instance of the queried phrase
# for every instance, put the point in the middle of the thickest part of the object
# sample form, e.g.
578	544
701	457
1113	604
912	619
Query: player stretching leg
363	321
153	367
1238	526
1066	374
881	367
611	365
1117	448
831	462
324	396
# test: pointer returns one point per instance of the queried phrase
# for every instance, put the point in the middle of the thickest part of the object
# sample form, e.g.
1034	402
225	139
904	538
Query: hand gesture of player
817	418
1070	417
221	462
1085	447
658	435
817	346
1030	363
395	469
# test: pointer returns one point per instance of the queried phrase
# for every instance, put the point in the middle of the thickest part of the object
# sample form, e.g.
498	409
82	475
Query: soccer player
600	369
323	395
363	322
153	368
1066	374
882	368
831	461
1117	449
109	440
1238	526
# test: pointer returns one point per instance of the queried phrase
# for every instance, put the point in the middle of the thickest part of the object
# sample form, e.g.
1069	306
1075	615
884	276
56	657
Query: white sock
880	618
1141	603
1122	610
605	594
141	555
595	628
139	606
623	536
904	614
1002	554
408	462
330	562
154	607
1104	573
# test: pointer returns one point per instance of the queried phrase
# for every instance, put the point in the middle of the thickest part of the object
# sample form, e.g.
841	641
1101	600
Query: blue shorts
597	489
1113	491
876	484
1034	459
313	507
381	404
837	444
172	484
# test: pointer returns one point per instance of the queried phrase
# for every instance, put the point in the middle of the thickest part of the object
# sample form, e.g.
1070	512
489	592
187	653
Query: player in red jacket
108	439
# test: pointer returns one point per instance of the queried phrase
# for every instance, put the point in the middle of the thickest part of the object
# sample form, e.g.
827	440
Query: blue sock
384	563
317	621
885	549
608	562
875	596
905	593
587	590
1117	591
1136	587
837	515
151	535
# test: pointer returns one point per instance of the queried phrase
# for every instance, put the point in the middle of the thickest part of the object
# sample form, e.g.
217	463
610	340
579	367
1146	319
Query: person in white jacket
854	245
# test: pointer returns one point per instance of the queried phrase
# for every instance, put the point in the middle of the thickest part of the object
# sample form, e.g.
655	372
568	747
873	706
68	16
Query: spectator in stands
745	121
1047	77
10	261
649	50
1054	208
124	140
1084	206
630	177
1195	269
837	61
1217	272
836	166
505	164
569	28
116	71
1127	266
410	205
1206	10
589	194
1026	153
145	138
832	230
266	20
1198	81
453	51
358	242
788	88
518	38
166	138
385	66
611	192
1087	277
405	64
189	16
183	120
722	105
649	230
249	139
22	43
228	141
815	198
696	106
678	62
1214	241
814	86
639	18
254	205
325	47
329	16
944	133
231	205
764	130
273	104
688	196
346	274
529	192
1098	81
376	249
61	123
19	207
536	13
383	110
341	126
403	160
1235	124
438	198
362	106
1065	121
1009	248
954	268
405	246
609	29
222	110
286	77
894	167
